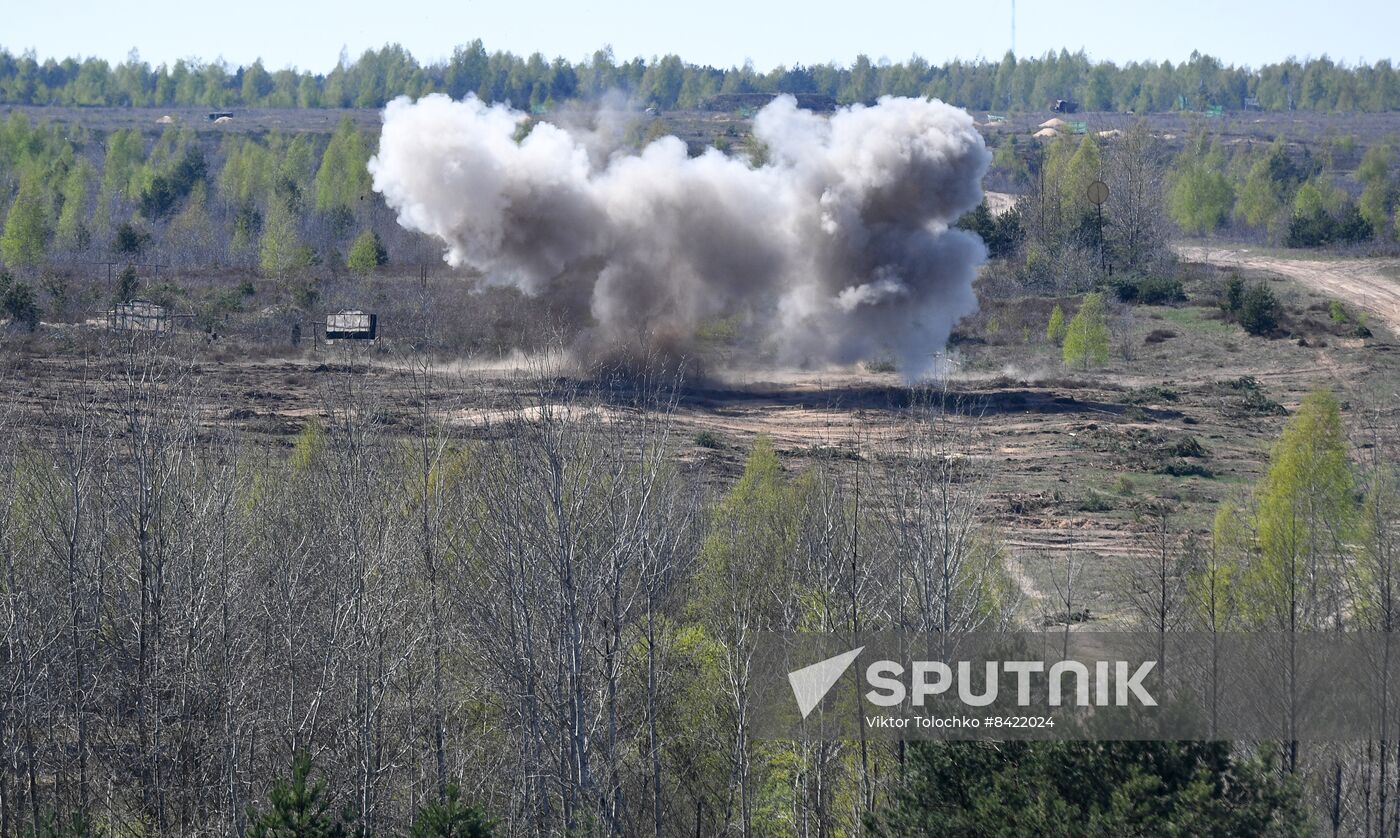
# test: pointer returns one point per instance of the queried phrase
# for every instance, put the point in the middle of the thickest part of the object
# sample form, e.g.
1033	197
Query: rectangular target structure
351	325
139	316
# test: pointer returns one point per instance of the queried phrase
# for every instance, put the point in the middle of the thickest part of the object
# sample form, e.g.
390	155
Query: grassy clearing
1197	319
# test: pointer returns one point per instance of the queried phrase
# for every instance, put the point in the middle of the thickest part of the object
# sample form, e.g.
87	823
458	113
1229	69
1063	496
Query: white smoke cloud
836	249
871	293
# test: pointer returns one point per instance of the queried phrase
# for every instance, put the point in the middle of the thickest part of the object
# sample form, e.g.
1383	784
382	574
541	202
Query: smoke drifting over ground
836	249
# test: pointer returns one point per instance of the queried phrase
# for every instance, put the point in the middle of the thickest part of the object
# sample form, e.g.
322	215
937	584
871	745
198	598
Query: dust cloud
834	247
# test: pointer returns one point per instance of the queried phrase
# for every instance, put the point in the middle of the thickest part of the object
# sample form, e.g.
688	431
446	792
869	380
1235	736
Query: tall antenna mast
1013	27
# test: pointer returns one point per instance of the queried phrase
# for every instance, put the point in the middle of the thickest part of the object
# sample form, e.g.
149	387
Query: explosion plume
836	248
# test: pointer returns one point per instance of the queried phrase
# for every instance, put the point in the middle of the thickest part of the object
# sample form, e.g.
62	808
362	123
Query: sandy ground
1000	202
1363	283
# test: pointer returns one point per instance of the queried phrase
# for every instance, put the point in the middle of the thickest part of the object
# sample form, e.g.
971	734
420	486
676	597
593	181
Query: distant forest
538	83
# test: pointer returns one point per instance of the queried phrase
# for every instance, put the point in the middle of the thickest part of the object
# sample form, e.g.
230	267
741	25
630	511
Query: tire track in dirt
1361	282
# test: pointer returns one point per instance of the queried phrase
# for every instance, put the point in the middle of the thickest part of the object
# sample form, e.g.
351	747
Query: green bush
214	310
1234	295
131	240
305	294
1151	394
1149	290
1259	310
19	302
1186	446
128	284
164	294
721	331
1182	468
1095	502
707	439
60	293
1254	307
1092	788
880	365
1318	227
1252	400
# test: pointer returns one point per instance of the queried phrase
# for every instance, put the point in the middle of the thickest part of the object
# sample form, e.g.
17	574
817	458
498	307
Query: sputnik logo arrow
810	684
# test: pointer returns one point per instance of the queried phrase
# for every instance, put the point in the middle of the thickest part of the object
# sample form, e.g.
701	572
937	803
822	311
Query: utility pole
1097	194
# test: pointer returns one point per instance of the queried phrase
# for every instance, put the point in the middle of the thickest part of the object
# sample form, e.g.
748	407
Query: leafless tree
1156	586
950	574
1134	167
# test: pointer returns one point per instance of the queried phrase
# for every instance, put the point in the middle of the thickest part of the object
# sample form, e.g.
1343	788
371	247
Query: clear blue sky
309	34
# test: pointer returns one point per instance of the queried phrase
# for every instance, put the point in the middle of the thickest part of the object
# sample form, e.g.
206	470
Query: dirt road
1372	285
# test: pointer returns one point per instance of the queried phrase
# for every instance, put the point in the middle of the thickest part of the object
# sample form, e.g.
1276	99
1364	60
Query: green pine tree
298	808
450	818
1258	310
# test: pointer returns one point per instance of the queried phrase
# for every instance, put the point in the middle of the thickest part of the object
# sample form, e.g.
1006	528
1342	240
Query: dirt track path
1361	282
